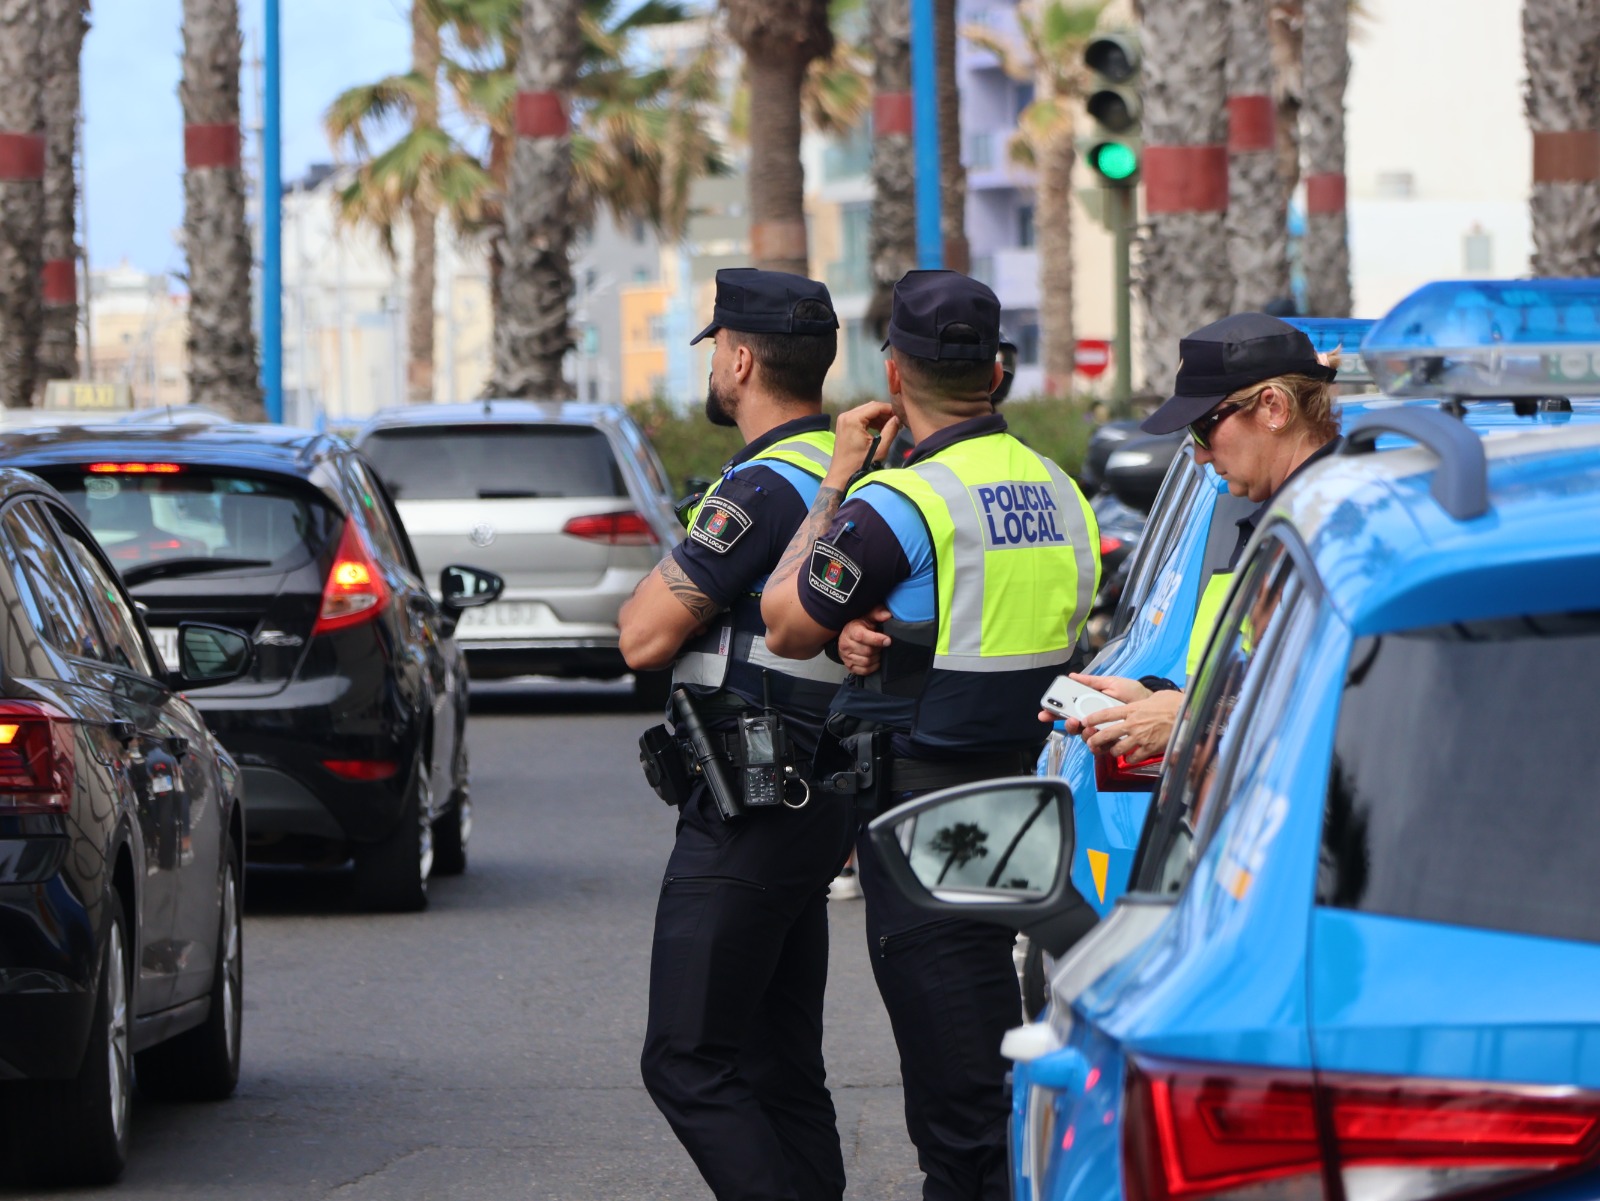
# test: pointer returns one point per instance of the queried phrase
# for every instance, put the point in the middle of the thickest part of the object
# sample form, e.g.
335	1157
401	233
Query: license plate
505	613
166	640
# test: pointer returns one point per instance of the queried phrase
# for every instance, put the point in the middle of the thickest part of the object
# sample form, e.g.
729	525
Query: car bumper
502	657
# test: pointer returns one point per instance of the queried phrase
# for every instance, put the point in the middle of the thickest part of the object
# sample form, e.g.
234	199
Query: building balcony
1013	274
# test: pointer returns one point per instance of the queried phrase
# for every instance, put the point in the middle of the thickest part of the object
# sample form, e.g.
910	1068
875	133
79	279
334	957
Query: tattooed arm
664	612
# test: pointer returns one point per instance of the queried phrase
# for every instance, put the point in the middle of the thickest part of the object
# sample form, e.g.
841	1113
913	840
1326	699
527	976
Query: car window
1172	506
494	462
197	513
1463	780
125	645
1197	787
383	521
648	461
59	605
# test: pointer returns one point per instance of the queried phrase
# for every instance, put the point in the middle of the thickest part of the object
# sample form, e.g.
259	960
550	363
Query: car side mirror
998	851
1135	470
209	655
462	588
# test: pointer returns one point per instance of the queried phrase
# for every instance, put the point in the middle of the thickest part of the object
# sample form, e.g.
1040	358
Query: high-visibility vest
1017	561
1206	614
732	654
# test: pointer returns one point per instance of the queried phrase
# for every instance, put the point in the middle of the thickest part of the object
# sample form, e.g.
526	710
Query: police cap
928	303
1218	359
763	302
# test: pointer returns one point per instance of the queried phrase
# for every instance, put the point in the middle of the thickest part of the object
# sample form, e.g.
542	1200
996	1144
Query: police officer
987	558
733	1044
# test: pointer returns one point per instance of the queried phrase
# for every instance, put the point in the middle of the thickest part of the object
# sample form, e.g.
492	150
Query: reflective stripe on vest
1205	617
1015	550
811	453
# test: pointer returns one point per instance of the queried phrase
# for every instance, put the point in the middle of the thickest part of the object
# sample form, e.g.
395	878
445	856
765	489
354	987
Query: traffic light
1112	149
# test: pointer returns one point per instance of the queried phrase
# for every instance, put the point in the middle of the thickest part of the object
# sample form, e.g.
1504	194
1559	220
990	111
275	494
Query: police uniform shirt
733	544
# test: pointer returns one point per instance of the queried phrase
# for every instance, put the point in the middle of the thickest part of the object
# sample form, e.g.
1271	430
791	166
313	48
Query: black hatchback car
349	727
120	831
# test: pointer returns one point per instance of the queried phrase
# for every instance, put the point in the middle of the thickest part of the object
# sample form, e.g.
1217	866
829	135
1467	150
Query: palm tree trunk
1184	280
1053	221
1258	231
534	331
424	218
1326	66
66	21
952	175
1561	42
1286	29
892	238
22	155
222	344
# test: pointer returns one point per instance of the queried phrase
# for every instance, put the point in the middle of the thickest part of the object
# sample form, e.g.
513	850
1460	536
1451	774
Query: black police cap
1218	359
928	303
762	302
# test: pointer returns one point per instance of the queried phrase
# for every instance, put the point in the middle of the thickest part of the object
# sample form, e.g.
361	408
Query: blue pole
272	228
925	115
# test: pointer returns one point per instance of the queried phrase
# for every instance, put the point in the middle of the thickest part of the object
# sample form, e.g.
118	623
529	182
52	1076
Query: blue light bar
1490	339
1343	334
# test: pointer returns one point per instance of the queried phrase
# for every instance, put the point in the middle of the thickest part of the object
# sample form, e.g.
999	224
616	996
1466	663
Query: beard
719	406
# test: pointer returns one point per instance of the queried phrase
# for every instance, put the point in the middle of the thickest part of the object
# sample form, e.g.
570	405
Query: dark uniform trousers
951	990
733	1045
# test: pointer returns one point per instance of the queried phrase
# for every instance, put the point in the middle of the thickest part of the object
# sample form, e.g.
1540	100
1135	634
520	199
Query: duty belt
925	775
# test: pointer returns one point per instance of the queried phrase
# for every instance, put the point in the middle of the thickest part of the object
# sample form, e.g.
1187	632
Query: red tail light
36	758
616	529
355	590
1197	1132
1115	773
365	770
135	469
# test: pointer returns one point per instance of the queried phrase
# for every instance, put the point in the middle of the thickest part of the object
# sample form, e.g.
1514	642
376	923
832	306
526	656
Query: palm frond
1015	60
356	111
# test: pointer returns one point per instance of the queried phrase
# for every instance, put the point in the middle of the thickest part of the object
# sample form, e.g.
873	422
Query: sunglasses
1202	429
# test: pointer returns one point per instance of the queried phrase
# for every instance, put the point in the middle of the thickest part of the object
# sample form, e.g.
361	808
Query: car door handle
123	731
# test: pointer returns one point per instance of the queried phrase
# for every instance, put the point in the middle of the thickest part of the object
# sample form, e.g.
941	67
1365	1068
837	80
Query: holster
850	762
665	769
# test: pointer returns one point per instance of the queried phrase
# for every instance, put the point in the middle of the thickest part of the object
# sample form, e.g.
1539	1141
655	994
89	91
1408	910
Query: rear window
495	463
198	516
1464	778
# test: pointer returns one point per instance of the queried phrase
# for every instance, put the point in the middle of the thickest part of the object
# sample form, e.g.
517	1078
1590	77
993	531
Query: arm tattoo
700	606
823	510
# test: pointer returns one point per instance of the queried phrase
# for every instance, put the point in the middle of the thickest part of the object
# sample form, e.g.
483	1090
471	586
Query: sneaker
846	887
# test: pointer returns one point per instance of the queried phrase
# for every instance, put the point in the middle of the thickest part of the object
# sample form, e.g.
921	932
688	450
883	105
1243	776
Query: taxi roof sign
1490	339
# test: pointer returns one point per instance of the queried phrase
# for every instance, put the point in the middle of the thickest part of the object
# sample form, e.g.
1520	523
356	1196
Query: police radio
762	747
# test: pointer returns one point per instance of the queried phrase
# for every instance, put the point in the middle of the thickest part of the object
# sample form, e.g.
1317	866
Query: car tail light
365	770
355	590
1109	545
1116	773
616	529
36	758
135	468
1197	1131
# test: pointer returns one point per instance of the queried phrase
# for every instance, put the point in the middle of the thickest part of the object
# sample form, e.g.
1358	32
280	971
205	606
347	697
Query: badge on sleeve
833	573
719	524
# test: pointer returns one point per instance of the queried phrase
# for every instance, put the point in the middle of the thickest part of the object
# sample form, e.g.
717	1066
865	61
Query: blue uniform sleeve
877	551
741	532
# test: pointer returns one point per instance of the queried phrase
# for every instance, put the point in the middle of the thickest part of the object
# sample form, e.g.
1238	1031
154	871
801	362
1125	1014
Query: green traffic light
1115	161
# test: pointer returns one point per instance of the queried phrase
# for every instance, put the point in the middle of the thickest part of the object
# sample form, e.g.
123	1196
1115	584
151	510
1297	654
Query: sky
133	125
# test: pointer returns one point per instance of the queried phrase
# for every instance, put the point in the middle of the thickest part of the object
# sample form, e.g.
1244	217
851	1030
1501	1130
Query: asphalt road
488	1048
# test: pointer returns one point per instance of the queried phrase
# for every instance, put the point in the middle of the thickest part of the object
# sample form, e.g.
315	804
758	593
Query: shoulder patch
833	573
719	524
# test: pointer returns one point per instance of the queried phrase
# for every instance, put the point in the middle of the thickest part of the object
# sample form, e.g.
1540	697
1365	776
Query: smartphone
1068	698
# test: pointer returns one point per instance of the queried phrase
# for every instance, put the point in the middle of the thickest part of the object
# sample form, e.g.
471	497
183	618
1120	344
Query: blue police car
1360	950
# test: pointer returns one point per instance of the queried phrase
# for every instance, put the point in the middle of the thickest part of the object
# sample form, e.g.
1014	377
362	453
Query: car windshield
495	462
196	516
1464	777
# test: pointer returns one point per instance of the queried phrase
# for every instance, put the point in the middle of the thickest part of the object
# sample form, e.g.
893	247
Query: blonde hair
1310	401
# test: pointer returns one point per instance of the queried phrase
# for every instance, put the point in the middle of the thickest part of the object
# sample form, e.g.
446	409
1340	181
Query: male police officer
987	557
733	1046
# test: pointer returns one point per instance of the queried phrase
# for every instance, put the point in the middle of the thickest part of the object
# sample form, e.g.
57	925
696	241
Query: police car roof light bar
1461	484
1343	334
1490	340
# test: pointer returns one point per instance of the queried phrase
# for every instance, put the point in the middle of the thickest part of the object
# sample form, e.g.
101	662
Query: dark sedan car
120	831
349	726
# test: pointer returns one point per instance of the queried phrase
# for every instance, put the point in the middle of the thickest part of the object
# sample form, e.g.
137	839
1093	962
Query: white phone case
1072	699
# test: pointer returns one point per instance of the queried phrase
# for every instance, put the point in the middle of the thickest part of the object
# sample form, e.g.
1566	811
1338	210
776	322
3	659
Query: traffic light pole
1120	203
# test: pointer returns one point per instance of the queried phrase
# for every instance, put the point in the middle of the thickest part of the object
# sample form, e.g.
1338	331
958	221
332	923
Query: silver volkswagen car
567	501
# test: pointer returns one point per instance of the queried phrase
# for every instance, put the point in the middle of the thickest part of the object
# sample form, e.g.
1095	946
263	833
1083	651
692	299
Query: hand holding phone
1068	698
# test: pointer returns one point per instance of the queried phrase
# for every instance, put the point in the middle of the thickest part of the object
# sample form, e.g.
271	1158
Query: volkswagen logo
482	534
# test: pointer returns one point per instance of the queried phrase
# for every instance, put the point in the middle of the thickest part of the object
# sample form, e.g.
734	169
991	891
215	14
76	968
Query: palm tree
1561	45
1184	279
1258	228
892	232
952	173
1054	34
1286	21
65	23
1326	68
21	194
532	332
222	345
780	38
